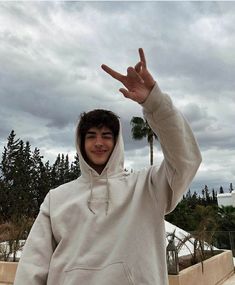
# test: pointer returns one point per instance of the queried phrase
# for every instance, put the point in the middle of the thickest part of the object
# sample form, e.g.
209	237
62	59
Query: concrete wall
215	271
7	272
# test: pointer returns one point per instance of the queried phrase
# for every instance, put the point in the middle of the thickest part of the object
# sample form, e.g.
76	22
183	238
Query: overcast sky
50	57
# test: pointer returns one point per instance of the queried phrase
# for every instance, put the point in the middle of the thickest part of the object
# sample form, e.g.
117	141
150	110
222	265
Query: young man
107	227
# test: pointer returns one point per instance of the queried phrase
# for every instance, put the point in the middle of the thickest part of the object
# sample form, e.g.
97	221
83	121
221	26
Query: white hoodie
108	229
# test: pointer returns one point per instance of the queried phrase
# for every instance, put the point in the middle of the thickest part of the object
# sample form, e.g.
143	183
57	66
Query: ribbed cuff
154	99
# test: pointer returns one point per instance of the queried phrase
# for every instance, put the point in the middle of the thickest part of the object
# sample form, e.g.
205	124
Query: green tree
23	186
141	129
5	204
185	214
230	187
221	190
60	172
17	180
55	176
214	196
206	218
182	216
8	171
40	179
8	158
75	170
226	218
226	225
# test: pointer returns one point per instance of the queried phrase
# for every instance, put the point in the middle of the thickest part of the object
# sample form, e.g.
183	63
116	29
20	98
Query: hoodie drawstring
91	194
107	200
107	194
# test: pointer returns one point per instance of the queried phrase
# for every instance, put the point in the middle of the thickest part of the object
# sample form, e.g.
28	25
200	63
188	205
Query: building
226	199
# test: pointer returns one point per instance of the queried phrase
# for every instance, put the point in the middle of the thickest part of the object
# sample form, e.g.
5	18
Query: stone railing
7	272
215	271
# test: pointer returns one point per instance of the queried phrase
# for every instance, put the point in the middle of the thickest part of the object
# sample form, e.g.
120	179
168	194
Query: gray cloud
50	57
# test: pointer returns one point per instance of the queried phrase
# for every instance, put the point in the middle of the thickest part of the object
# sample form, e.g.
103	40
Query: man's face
99	144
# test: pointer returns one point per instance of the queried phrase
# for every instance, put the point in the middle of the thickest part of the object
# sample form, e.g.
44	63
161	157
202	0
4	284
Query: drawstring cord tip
89	207
107	208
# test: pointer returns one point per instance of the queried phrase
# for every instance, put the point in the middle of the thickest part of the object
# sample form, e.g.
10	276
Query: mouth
99	152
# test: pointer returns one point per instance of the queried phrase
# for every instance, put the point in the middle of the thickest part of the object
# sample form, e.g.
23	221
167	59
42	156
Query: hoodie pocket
113	274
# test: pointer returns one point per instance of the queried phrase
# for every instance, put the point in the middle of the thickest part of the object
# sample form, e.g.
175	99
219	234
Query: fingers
131	73
142	57
138	67
131	95
112	72
125	92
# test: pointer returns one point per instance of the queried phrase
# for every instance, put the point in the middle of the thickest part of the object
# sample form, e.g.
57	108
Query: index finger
112	72
142	57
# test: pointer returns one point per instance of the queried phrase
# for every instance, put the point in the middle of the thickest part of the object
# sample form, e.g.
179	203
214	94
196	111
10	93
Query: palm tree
226	221
141	129
227	218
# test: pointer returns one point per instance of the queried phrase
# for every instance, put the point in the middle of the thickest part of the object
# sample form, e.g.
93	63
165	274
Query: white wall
226	199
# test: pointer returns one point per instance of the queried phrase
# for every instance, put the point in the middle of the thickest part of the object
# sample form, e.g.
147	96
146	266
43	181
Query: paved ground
230	281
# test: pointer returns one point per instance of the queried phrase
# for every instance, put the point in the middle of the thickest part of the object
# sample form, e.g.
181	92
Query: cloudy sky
50	57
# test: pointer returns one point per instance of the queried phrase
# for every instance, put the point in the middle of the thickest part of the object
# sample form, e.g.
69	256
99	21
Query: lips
99	151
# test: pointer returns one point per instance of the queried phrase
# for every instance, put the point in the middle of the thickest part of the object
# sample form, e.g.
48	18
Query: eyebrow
103	133
90	133
107	133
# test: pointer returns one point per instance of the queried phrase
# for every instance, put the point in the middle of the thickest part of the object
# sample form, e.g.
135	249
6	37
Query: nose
99	141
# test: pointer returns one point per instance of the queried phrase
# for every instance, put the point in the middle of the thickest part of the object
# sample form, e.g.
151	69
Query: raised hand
138	81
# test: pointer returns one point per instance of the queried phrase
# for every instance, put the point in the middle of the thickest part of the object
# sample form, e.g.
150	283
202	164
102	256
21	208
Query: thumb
125	92
130	95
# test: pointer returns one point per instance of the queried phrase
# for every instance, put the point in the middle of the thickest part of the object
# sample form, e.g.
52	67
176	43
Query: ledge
215	271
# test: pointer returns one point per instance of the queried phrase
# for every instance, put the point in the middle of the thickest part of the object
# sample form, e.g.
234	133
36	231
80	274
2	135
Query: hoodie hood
114	168
115	164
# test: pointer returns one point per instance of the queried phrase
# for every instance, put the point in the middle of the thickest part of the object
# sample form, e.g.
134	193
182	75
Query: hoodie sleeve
34	263
181	153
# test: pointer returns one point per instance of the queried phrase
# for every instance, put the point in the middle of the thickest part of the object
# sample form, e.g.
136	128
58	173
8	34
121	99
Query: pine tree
221	190
17	188
7	194
188	194
75	170
207	194
40	178
5	203
214	196
25	179
8	158
55	177
230	187
22	181
66	169
61	172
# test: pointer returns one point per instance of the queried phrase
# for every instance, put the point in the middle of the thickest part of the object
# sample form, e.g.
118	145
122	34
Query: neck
97	168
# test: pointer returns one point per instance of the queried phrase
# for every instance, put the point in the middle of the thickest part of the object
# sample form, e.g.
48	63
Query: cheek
86	146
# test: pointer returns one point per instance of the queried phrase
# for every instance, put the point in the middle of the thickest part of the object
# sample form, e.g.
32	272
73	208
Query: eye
107	136
90	136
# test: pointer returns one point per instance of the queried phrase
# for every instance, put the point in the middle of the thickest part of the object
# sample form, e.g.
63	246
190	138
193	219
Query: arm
181	153
34	263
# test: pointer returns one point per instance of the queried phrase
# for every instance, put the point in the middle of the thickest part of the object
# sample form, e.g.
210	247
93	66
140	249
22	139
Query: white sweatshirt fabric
108	229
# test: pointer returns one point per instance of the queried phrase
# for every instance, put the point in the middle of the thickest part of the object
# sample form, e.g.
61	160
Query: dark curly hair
97	118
